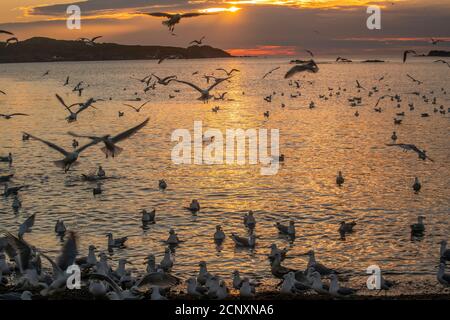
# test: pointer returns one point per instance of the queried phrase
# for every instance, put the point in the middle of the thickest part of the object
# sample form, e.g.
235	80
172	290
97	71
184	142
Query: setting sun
214	10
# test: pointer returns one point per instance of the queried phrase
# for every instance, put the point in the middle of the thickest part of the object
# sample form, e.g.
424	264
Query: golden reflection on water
317	143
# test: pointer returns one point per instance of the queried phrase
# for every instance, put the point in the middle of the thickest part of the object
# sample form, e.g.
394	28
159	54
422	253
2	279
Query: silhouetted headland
40	49
439	53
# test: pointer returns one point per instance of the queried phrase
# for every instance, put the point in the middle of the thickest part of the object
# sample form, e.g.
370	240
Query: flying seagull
6	32
229	73
343	59
174	18
264	76
69	157
90	42
9	116
405	54
205	95
382	97
11	40
443	61
414	80
310	66
164	81
135	108
410	147
436	41
198	42
359	86
82	106
110	148
171	56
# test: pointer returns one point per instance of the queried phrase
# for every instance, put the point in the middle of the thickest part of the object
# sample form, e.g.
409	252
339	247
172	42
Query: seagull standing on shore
338	291
320	268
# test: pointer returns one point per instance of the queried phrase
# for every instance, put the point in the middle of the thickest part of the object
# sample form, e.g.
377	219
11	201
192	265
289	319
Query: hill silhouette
39	49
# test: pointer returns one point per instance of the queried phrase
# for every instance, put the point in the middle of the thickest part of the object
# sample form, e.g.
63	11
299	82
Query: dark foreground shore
84	294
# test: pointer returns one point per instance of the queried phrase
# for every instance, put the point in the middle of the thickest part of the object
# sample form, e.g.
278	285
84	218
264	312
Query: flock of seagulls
26	277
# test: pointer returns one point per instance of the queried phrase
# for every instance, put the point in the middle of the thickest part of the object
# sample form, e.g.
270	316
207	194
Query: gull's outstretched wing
159	14
69	252
22	250
194	14
219	81
55	267
64	104
26	225
50	144
73	134
18	114
6	32
190	84
94	142
95	38
274	69
297	69
126	134
310	53
129	105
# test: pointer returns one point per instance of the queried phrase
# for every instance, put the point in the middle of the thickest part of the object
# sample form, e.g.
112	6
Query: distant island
41	49
439	53
373	61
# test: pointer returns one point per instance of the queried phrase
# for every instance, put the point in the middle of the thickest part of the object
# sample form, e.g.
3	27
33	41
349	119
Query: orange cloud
388	39
264	51
328	4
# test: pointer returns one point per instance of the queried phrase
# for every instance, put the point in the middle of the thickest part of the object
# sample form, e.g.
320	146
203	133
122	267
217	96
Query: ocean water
317	143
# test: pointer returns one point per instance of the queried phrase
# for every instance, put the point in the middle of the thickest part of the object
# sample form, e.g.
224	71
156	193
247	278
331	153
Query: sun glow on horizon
216	10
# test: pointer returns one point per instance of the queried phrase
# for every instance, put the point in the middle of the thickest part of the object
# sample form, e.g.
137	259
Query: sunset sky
243	27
